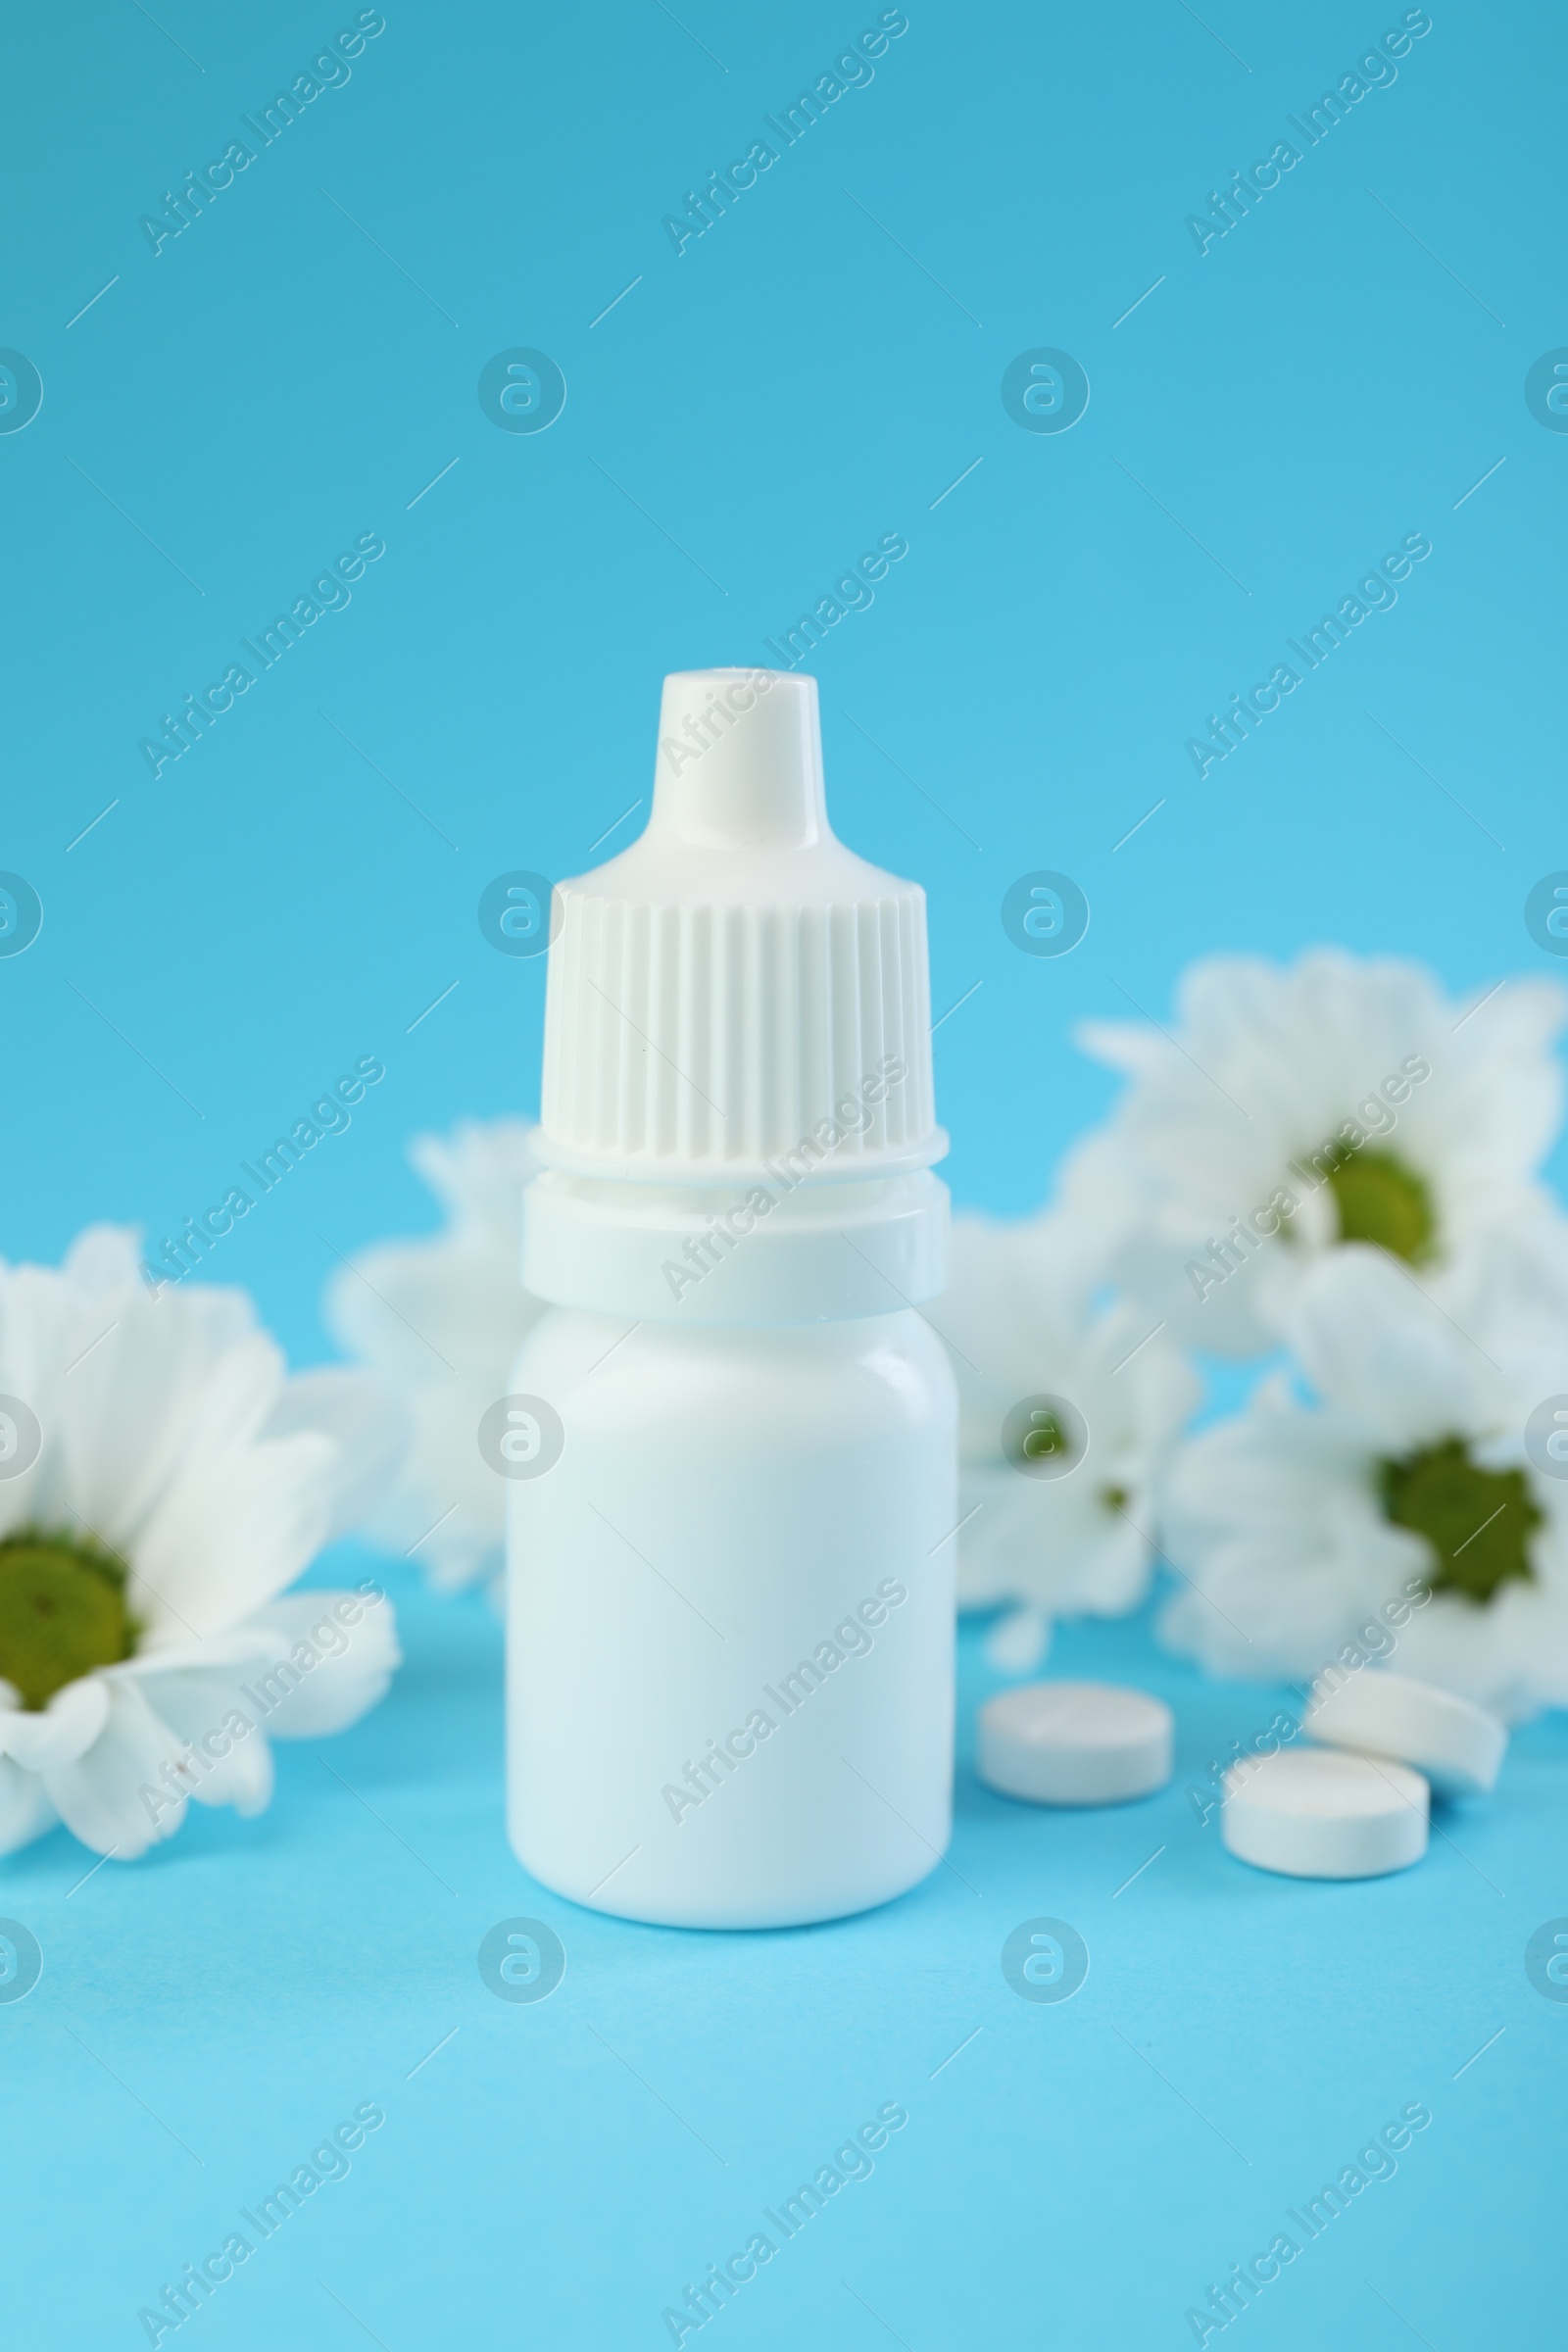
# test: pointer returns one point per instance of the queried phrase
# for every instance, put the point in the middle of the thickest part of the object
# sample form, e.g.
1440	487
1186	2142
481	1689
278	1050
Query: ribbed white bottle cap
738	985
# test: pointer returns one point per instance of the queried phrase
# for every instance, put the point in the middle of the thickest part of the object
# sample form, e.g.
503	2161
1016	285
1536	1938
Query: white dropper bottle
730	1579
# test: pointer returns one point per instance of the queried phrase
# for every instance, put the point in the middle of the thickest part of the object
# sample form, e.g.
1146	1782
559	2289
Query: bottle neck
774	1252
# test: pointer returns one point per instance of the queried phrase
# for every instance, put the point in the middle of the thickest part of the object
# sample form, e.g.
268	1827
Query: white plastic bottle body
730	1618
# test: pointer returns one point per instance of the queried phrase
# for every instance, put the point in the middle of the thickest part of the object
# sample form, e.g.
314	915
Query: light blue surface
557	2173
822	367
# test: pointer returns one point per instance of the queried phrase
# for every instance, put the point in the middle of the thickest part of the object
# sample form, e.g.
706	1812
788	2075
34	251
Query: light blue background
750	417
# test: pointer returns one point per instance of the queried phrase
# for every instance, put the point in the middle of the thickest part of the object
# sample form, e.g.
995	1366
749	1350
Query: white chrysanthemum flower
1414	1471
1057	1512
1289	1111
162	1481
440	1321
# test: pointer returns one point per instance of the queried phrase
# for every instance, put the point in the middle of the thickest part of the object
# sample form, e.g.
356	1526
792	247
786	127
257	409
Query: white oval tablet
1074	1743
1321	1813
1458	1745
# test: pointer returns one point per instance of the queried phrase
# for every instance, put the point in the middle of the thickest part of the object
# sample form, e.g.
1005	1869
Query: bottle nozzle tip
740	760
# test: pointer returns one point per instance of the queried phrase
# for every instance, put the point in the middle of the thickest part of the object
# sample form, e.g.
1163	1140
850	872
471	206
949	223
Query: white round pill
1458	1745
1321	1813
1074	1743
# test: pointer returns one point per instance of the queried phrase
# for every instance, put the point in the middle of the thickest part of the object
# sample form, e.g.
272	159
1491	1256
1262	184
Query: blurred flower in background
440	1321
1334	1161
1055	1512
1412	1467
1289	1111
161	1482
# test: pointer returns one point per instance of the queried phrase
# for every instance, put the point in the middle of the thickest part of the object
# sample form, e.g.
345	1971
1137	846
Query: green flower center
62	1612
1478	1522
1380	1199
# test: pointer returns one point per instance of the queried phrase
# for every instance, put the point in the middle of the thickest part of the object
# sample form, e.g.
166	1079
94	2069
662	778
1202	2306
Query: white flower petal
26	1812
372	1427
238	1647
440	1321
245	1778
1387	1355
352	1666
102	1260
230	1762
241	1524
114	1797
127	1387
1507	1291
59	1732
